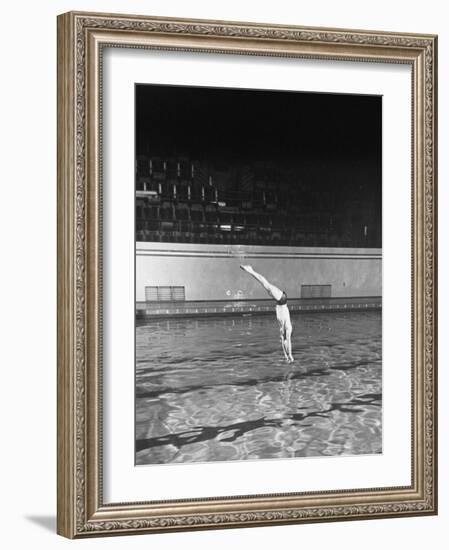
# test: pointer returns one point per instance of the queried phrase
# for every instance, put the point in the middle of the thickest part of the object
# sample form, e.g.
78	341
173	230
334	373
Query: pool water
219	389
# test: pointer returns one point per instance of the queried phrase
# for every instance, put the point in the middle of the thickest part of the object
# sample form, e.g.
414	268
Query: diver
282	312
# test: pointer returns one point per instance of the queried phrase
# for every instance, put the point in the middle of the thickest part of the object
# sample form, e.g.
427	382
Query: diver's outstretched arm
272	290
288	345
284	347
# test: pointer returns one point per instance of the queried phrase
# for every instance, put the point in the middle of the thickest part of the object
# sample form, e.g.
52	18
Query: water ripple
219	389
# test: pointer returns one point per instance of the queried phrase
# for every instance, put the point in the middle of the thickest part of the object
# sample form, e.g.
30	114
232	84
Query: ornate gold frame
81	37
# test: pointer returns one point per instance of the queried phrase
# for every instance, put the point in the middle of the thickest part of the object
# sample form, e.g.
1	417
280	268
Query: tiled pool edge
214	309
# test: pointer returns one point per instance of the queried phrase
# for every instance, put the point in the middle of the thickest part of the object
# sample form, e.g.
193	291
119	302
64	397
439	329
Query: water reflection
219	388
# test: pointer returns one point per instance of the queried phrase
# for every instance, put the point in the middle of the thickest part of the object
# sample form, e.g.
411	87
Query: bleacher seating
177	200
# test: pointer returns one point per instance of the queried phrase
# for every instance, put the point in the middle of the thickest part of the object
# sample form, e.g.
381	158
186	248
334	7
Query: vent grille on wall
316	291
165	293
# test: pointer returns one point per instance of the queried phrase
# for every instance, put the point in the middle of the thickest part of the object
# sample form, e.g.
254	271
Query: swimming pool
219	389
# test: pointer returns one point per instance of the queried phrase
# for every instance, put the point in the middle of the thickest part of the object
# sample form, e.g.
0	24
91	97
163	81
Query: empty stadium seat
184	200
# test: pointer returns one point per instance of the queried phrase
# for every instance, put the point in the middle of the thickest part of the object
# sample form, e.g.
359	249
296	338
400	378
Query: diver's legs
272	290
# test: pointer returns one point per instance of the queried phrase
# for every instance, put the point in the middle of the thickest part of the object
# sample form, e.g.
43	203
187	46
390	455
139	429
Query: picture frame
82	40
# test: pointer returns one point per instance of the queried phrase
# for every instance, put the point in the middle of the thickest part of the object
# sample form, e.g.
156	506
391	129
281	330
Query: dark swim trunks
283	300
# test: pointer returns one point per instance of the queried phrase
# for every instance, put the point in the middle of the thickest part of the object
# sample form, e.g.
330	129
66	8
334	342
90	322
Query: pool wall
210	273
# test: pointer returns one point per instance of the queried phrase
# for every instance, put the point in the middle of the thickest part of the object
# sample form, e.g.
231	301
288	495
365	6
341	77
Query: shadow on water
251	382
204	433
219	389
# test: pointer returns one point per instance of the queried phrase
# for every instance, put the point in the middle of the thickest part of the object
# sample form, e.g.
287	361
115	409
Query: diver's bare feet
247	268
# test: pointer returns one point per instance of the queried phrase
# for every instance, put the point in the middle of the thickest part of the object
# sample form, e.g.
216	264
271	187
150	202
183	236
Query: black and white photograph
258	274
